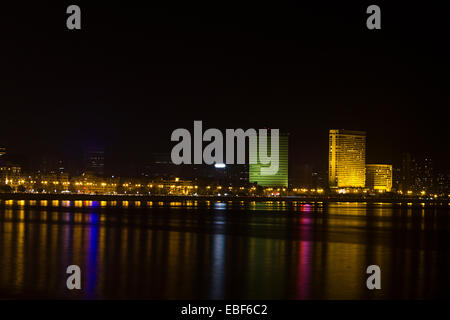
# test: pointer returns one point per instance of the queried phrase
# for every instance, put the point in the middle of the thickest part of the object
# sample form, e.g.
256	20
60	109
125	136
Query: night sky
135	73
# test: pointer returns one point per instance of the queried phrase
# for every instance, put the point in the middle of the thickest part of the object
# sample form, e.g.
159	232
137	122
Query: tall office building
347	159
416	174
95	161
425	179
280	179
408	173
379	177
301	175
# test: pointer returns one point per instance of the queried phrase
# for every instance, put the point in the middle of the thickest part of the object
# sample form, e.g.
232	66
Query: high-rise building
238	173
95	161
280	179
347	159
161	166
443	183
301	175
425	176
417	175
379	177
408	173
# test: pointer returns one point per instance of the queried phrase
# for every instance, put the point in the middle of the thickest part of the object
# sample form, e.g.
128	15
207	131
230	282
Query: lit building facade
379	177
347	159
280	179
10	174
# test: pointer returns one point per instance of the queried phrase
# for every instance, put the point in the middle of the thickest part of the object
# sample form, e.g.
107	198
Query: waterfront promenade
169	198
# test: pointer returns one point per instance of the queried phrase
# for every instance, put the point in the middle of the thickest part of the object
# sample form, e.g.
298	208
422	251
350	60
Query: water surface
217	250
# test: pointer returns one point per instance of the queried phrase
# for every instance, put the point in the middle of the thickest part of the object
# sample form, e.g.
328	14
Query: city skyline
348	170
134	163
225	153
228	73
117	157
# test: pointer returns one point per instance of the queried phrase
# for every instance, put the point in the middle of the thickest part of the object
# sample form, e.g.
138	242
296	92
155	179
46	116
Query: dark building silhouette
425	175
2	154
301	175
417	175
442	183
408	173
161	166
95	161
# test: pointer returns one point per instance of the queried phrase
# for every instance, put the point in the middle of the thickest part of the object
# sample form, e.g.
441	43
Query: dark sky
134	73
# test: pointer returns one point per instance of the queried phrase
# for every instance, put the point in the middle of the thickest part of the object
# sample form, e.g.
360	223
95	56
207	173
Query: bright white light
219	165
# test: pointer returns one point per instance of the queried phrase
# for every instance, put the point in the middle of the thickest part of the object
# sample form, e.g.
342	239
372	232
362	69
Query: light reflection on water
216	250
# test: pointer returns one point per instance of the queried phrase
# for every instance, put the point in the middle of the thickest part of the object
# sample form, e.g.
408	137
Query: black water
190	250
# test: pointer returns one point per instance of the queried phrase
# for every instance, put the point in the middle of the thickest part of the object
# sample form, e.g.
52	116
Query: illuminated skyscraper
280	179
347	159
379	177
